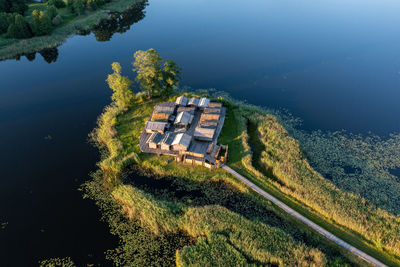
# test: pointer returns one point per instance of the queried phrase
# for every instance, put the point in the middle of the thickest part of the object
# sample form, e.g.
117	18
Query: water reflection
118	22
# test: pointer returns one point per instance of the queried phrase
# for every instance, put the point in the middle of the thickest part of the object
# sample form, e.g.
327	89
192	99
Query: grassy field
274	161
72	24
192	215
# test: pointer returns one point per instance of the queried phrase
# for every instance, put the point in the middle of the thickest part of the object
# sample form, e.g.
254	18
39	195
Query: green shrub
18	29
56	3
57	20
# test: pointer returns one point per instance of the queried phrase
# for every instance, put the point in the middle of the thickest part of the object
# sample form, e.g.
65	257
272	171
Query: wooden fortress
187	129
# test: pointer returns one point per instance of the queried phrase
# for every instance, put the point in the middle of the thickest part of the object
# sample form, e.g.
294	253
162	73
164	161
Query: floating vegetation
53	262
3	225
364	165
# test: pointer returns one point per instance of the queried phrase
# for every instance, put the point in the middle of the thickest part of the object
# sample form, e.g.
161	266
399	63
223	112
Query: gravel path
300	217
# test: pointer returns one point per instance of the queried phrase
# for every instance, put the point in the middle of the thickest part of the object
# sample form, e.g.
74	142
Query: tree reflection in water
118	22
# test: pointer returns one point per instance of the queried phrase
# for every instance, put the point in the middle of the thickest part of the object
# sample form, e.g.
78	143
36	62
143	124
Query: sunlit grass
255	232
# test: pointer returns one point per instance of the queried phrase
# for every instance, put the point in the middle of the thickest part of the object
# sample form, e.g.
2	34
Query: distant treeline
13	23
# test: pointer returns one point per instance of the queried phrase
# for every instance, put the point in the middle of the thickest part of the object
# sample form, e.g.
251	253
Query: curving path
300	217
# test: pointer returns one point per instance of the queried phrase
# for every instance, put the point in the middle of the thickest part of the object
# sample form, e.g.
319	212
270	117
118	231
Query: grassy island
167	213
67	21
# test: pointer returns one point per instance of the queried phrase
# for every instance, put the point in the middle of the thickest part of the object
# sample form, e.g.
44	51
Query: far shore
10	48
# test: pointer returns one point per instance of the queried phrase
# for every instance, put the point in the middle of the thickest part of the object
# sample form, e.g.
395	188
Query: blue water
334	63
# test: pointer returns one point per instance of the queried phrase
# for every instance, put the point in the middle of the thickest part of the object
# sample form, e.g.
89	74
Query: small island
188	130
167	212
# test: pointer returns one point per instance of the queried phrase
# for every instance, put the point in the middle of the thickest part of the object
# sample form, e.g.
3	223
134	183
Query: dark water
335	64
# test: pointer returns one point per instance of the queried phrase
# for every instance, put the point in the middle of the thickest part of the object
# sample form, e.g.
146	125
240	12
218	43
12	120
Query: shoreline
114	171
11	48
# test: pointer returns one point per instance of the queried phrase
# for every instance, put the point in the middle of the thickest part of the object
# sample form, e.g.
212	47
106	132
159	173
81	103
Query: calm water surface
335	64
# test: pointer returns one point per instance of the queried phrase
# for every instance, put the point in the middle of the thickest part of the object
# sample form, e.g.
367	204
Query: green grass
266	179
216	214
71	25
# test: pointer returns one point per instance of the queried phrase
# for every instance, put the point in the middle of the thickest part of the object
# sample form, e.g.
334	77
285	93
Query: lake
335	64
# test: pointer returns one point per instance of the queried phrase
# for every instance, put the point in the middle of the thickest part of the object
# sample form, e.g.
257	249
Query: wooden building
166	142
182	101
159	116
208	124
203	103
165	108
215	105
210	117
156	126
184	119
197	149
191	110
212	110
194	101
181	142
204	134
154	140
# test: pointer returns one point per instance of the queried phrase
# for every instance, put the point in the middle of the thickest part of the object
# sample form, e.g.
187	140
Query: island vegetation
166	213
27	27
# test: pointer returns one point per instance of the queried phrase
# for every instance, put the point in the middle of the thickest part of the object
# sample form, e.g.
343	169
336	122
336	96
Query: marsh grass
10	48
281	162
199	213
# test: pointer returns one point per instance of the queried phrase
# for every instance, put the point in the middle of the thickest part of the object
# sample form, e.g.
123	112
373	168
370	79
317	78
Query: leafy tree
171	76
70	5
123	95
93	4
79	6
13	6
56	3
155	75
5	20
51	12
19	28
41	23
147	65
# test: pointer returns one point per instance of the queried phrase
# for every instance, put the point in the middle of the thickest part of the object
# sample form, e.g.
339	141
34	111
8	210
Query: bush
51	12
56	3
18	29
5	20
13	6
57	20
41	23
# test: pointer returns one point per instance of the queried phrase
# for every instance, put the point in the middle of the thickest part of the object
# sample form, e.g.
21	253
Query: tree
155	75
51	12
5	20
171	76
93	4
41	23
13	6
56	3
79	6
123	95
18	28
147	65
